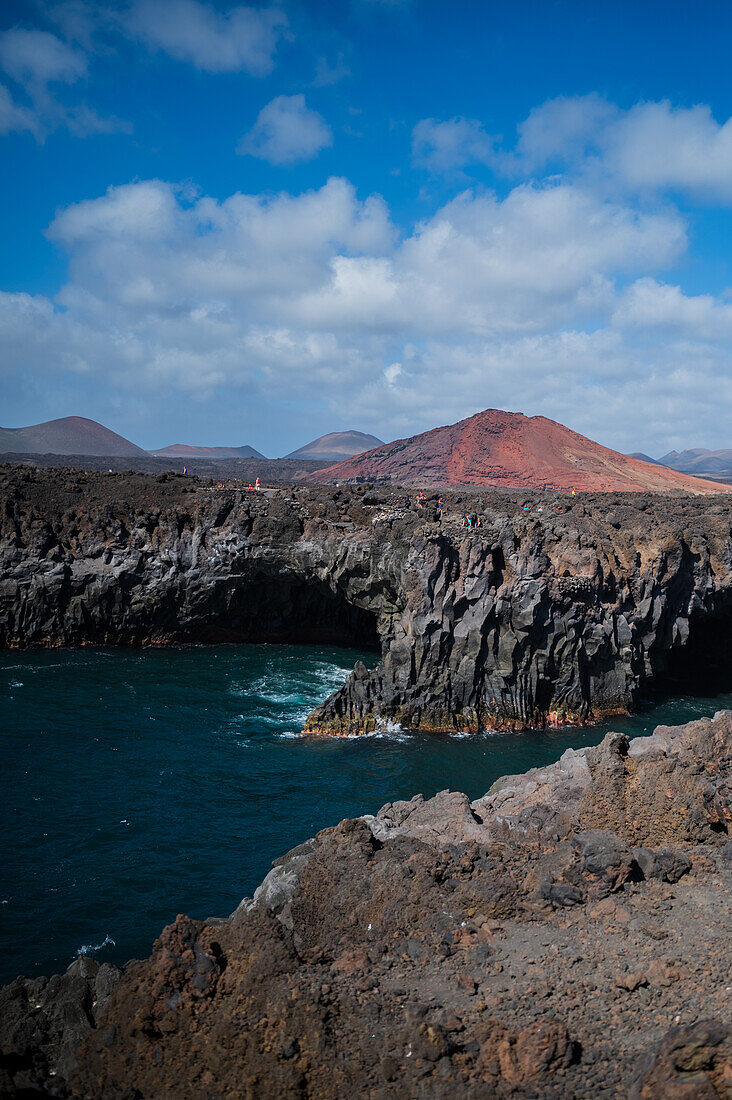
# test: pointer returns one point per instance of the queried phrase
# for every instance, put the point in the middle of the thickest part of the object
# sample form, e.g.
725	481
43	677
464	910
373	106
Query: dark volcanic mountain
337	446
646	458
185	450
70	435
505	449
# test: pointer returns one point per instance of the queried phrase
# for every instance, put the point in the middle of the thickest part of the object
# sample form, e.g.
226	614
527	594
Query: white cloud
36	58
286	132
648	304
451	145
541	301
131	213
542	256
243	38
566	129
657	145
651	146
14	117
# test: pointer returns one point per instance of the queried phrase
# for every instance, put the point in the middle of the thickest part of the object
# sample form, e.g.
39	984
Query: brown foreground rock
565	936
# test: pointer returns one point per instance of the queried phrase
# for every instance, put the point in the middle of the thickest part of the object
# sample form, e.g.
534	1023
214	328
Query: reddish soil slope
70	435
495	448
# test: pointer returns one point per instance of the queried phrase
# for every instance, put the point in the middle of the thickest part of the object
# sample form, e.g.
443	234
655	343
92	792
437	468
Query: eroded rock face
555	609
42	1023
437	949
694	1061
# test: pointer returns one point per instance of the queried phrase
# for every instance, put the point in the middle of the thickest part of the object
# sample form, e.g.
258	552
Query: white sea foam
386	725
467	735
16	684
286	700
88	948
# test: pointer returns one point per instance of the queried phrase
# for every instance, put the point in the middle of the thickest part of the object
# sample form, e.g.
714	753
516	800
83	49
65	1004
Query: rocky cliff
554	609
565	936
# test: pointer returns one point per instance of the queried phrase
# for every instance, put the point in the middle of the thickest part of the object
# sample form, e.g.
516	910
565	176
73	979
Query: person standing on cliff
257	485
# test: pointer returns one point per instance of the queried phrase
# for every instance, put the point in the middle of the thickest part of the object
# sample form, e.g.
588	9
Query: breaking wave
90	948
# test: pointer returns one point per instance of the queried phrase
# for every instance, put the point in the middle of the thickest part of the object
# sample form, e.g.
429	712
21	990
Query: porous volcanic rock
496	448
555	609
522	945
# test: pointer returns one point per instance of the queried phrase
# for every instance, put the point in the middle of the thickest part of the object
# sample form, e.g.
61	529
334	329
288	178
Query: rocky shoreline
557	609
564	936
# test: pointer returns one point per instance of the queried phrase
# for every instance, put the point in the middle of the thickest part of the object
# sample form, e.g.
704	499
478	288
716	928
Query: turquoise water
137	784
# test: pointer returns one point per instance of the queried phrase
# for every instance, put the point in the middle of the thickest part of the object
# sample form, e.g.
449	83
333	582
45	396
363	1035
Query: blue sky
227	224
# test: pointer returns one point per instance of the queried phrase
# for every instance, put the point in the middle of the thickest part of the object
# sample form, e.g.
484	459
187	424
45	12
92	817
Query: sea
138	784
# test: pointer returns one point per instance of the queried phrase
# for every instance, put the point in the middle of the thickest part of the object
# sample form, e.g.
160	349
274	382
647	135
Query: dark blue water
139	784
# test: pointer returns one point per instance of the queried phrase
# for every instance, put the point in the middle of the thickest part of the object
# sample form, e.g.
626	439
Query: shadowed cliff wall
556	609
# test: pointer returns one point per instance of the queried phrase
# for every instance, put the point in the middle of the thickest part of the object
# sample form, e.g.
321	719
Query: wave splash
90	948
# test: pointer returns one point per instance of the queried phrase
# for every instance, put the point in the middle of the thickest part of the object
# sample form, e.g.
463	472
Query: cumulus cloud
484	266
451	145
651	146
657	145
287	131
553	296
36	58
564	130
243	38
136	212
540	301
650	305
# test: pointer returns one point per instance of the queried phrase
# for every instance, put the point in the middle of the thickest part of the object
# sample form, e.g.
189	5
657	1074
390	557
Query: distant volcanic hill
495	449
185	450
336	446
71	435
700	462
646	458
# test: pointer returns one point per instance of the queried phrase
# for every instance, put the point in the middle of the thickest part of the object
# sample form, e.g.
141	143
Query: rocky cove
557	609
565	935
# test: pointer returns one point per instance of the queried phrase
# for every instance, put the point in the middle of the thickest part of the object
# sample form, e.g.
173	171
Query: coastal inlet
138	784
556	610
